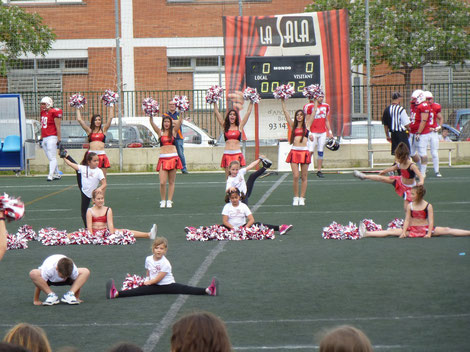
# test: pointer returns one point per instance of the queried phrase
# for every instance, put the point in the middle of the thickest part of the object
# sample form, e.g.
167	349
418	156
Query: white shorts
413	144
319	140
423	143
434	141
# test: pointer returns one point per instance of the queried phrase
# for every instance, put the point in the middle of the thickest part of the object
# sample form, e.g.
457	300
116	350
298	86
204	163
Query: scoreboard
266	73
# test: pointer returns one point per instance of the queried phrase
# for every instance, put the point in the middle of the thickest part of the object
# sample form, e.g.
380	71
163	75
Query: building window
29	2
179	62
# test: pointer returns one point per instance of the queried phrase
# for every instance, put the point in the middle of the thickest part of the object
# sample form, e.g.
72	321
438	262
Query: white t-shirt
236	215
90	179
157	266
49	269
238	181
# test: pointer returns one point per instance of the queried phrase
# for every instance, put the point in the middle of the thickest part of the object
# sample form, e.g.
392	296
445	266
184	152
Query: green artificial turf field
406	294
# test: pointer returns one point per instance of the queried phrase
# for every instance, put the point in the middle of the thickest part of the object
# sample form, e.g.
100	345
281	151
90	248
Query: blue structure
12	132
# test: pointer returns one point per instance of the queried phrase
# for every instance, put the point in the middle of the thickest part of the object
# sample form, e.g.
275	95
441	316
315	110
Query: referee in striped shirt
396	123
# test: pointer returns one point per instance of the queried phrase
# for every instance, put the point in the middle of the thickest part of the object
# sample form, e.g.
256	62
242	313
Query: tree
21	33
406	35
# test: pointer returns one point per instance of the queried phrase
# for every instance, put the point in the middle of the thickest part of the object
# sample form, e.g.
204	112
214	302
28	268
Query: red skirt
417	231
299	157
401	189
170	163
104	161
228	158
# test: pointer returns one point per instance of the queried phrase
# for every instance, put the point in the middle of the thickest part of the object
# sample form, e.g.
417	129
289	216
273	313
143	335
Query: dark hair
9	347
200	332
295	125
125	347
65	267
166	117
235	191
345	339
227	120
31	337
92	122
88	157
402	153
420	192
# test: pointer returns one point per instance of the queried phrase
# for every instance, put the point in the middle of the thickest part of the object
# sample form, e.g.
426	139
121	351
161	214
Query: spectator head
31	337
125	347
345	339
200	332
396	96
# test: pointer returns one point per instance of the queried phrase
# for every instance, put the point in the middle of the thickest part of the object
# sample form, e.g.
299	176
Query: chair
11	144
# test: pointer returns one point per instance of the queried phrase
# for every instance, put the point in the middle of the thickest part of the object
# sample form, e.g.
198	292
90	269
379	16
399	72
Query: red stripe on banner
345	71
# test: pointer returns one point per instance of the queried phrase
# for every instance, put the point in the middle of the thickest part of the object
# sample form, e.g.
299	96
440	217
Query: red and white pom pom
133	281
214	94
313	91
284	91
371	225
252	95
181	102
27	232
337	231
12	208
221	233
53	237
396	223
16	242
109	97
150	106
77	101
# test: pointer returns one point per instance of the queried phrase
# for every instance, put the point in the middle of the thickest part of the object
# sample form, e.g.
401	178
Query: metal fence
451	96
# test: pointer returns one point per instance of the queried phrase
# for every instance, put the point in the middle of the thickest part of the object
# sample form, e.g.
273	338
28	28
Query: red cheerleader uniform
299	155
169	161
103	158
231	155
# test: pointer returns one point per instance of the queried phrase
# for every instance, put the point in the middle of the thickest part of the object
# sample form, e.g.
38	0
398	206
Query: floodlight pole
119	90
369	90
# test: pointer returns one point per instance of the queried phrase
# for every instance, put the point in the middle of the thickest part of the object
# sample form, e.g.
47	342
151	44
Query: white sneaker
169	204
70	298
362	229
56	177
296	201
153	232
51	299
359	174
438	174
301	201
162	204
49	178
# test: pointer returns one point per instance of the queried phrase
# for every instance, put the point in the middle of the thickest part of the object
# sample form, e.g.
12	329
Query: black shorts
68	282
397	138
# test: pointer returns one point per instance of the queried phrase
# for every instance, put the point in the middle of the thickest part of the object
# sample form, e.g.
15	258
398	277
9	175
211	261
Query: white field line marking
169	317
271	321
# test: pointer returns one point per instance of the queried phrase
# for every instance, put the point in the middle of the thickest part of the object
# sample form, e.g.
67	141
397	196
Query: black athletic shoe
320	174
266	162
62	151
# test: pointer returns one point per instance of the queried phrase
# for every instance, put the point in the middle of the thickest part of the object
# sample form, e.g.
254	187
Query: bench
11	144
372	151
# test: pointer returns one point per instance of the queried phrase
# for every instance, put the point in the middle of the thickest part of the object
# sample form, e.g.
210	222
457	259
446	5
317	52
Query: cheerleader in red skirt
169	161
299	157
233	129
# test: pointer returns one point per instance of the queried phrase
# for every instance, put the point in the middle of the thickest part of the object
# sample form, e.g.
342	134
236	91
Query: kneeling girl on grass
160	278
419	221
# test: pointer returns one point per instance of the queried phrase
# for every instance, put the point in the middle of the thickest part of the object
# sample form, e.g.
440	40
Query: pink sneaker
111	291
214	287
283	229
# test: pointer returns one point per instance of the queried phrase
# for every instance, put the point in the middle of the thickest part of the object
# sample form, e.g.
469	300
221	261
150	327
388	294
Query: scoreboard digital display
266	73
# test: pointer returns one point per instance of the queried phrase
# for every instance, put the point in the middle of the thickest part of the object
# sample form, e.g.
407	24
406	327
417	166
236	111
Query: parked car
359	132
33	130
133	136
262	142
194	136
